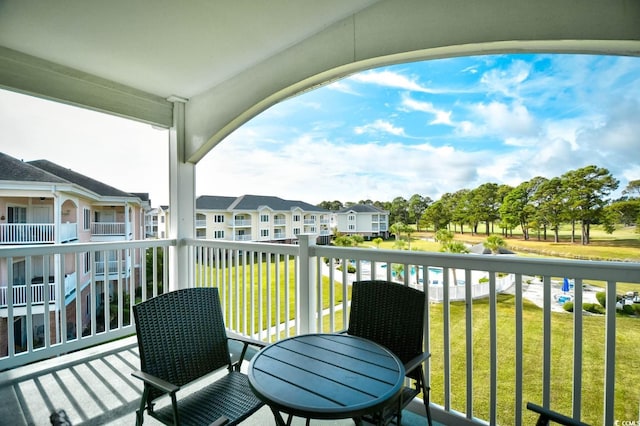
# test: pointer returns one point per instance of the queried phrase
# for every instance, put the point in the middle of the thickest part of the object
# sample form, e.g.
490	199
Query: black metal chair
547	416
394	316
182	338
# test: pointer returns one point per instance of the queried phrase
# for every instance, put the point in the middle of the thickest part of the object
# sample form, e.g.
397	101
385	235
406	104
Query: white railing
201	223
257	281
68	232
279	235
241	222
27	233
242	237
112	267
270	291
101	314
310	221
108	228
21	293
279	222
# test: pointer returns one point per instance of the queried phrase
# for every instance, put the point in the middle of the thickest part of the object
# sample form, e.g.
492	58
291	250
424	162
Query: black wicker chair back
394	316
181	338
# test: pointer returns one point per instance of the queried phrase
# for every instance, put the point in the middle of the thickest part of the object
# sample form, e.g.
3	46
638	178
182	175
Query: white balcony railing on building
21	294
108	228
241	222
279	235
27	233
310	221
279	222
111	267
68	232
242	237
201	223
271	291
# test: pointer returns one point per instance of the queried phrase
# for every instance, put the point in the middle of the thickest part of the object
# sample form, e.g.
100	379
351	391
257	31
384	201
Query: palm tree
448	245
494	243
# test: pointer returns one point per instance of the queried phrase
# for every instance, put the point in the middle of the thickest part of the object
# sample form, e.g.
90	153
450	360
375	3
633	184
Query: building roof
13	169
81	180
362	208
252	202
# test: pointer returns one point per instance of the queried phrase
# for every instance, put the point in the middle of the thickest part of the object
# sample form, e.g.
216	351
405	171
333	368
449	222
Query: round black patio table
326	376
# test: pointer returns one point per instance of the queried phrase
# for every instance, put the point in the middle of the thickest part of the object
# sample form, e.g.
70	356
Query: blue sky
426	127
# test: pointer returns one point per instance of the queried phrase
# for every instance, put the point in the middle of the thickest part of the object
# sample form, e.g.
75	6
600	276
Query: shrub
568	306
601	296
593	308
483	280
628	310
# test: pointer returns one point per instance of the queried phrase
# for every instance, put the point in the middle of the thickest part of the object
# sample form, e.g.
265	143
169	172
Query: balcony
241	223
460	339
27	233
108	228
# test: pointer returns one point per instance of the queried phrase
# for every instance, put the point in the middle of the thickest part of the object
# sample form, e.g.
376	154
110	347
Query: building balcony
472	298
279	222
36	233
241	223
108	228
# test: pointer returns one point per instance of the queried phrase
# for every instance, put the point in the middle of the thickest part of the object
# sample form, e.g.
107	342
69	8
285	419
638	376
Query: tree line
538	206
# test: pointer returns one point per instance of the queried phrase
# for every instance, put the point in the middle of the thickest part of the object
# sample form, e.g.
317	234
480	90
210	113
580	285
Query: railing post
307	300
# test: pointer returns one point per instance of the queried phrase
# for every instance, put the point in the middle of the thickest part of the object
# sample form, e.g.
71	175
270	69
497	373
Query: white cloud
441	116
507	81
391	79
501	120
379	126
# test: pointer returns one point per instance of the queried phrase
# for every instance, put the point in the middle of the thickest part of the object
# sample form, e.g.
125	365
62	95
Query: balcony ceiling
231	59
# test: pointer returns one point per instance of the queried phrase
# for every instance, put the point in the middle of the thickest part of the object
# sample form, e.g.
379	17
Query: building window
313	217
296	218
86	262
16	214
19	272
352	227
161	219
219	218
86	219
264	218
296	231
264	232
352	217
218	234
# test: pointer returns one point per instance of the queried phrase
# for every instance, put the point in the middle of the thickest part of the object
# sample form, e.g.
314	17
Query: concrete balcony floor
95	387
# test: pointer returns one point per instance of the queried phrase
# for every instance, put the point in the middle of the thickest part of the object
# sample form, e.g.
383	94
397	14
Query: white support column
182	200
307	301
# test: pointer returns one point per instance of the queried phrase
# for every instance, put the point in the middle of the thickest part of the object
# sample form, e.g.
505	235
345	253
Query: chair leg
426	405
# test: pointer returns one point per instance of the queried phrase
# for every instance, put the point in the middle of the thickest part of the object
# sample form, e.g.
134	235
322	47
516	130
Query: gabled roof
252	202
81	180
362	208
13	169
213	202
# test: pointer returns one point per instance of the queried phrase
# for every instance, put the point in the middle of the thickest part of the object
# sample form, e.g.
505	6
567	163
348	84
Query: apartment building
157	222
43	203
259	218
362	219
